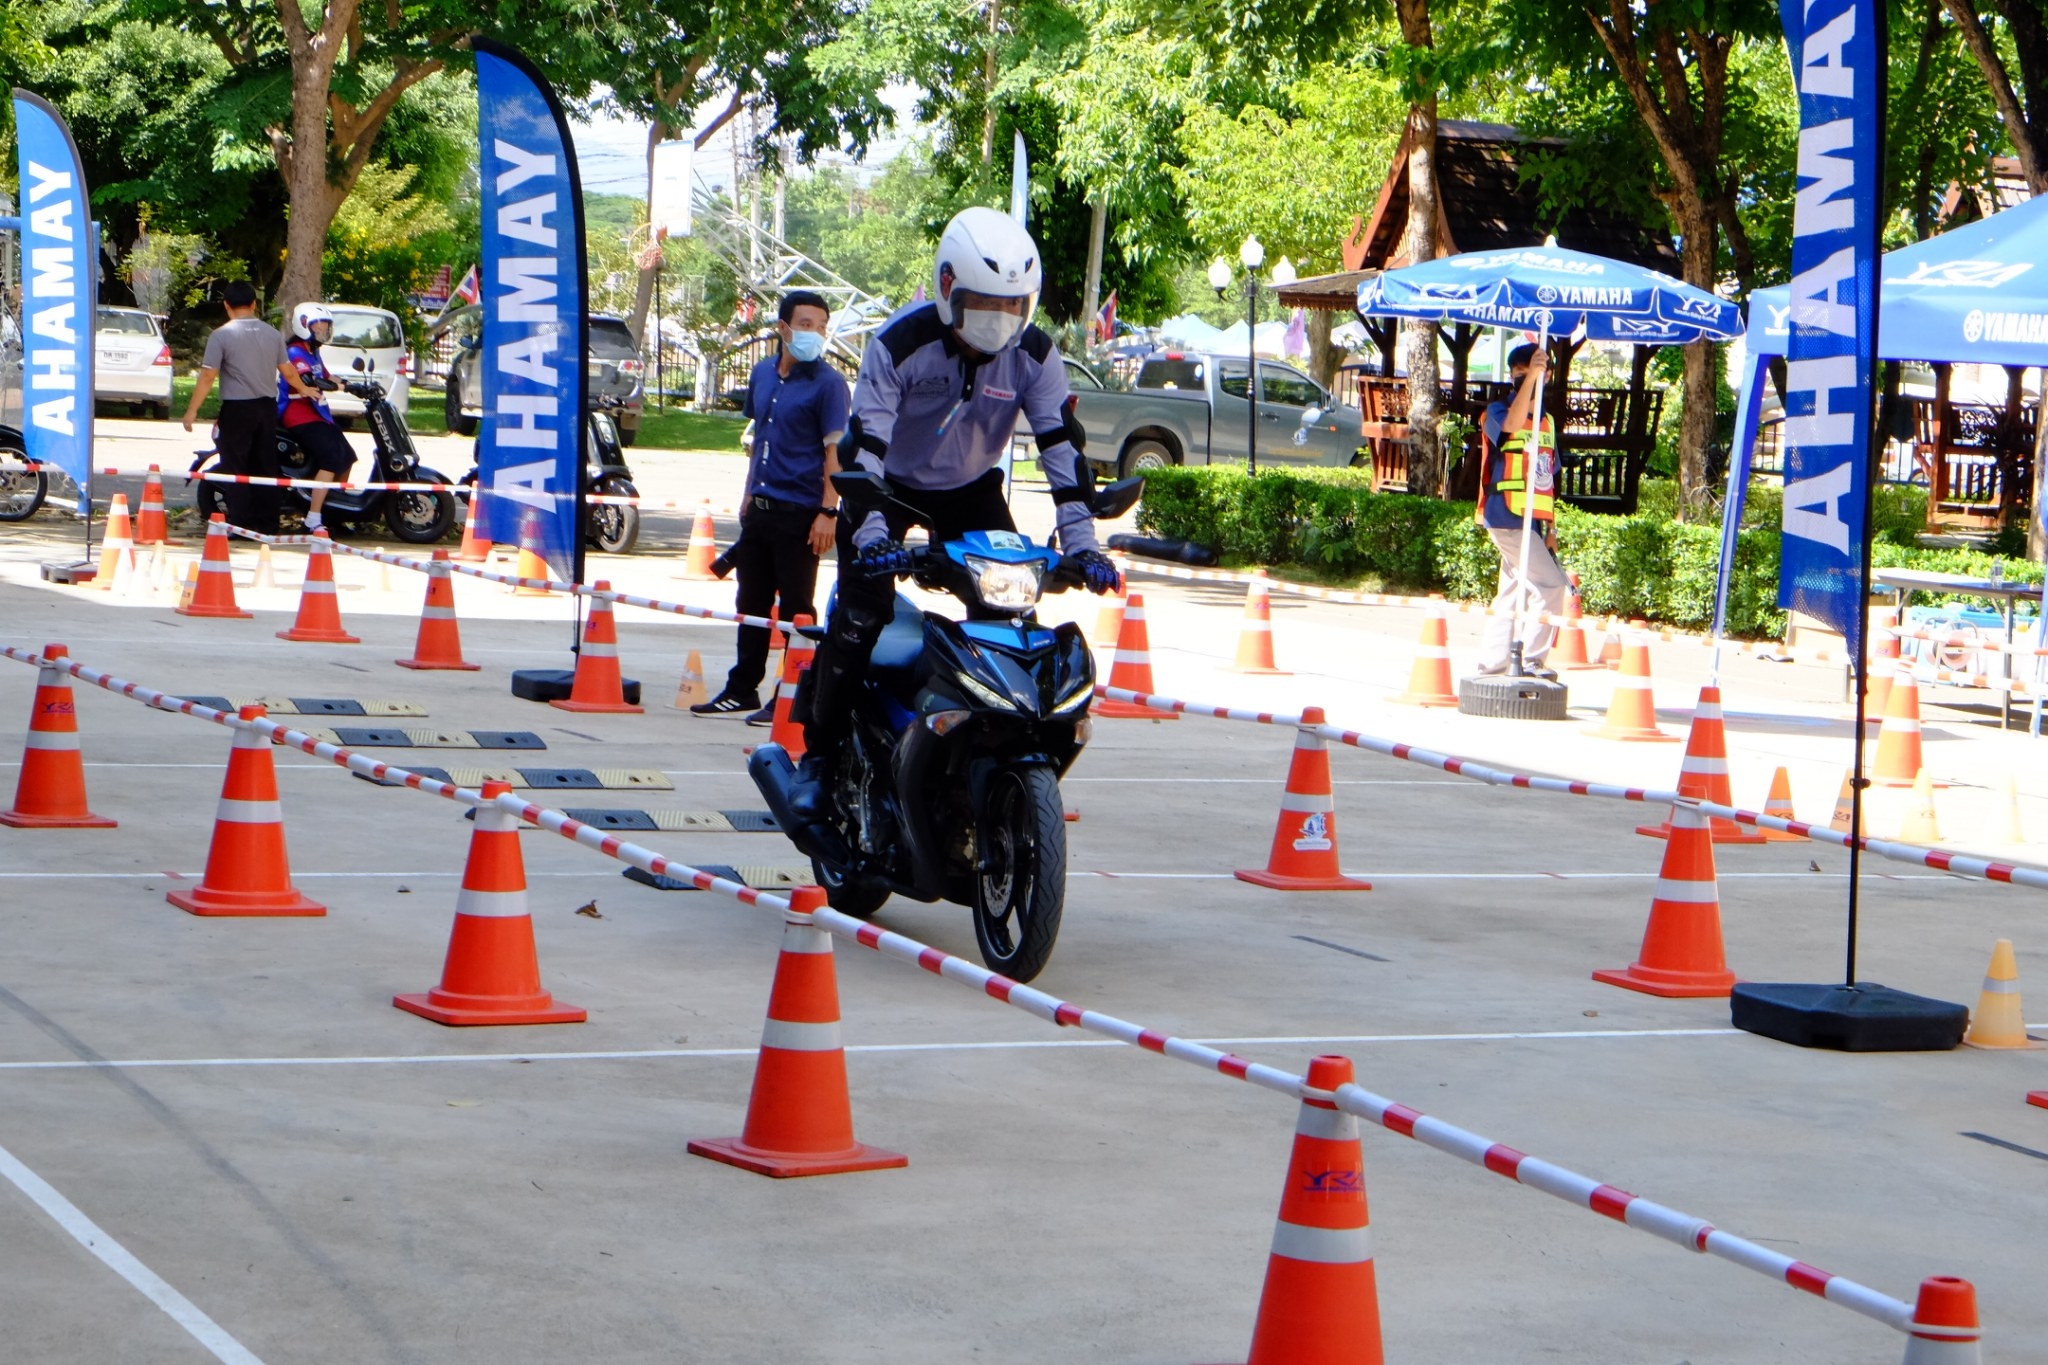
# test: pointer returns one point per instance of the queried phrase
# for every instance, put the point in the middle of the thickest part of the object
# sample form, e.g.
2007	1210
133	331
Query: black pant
775	568
866	605
248	445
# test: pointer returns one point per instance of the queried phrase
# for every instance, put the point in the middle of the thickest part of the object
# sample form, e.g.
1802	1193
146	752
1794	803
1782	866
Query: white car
376	335
132	364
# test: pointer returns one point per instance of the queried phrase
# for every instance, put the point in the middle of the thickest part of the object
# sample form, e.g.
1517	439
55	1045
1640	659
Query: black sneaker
764	716
726	704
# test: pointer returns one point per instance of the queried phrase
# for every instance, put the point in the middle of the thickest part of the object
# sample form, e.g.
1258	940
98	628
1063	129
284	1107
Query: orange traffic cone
1304	856
1132	667
1999	1022
51	791
1321	1301
1610	648
319	616
247	872
690	690
703	545
531	565
1255	636
1921	825
1632	715
492	974
1884	666
1779	803
1845	805
800	1116
474	548
150	528
1898	743
215	595
1944	1330
1109	623
1682	954
1569	651
1429	677
795	660
1703	774
439	643
118	544
597	685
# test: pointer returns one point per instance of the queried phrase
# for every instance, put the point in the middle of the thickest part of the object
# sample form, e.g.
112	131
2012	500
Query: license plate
113	358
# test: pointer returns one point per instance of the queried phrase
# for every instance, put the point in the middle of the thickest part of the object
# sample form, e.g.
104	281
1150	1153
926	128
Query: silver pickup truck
1188	408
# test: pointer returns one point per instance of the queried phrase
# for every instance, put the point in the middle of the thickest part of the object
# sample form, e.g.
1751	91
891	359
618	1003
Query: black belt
763	503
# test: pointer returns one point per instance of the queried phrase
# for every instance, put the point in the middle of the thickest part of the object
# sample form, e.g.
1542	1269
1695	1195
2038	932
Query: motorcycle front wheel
614	528
23	486
1021	890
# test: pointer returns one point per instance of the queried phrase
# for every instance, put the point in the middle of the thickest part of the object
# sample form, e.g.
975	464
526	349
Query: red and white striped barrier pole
1941	860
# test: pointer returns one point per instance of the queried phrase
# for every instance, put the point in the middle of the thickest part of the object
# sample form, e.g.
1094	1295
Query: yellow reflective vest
1514	480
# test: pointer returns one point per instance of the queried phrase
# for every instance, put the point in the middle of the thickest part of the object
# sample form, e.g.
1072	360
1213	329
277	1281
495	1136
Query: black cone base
1865	1017
1506	697
555	684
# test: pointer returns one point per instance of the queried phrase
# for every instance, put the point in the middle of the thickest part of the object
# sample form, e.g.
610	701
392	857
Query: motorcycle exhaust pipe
774	775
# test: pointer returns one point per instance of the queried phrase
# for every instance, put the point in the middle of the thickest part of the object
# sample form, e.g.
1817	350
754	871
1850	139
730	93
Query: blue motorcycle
949	786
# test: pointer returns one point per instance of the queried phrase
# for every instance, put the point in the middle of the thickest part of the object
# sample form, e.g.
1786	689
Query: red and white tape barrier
1644	1215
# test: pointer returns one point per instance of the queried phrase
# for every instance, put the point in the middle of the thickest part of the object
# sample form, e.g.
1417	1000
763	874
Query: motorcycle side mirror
1118	498
866	492
1311	416
359	363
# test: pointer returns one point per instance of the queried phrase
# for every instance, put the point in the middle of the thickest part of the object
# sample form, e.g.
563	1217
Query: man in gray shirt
248	356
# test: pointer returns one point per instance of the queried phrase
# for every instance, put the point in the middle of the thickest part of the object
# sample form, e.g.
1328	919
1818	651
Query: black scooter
417	518
949	785
611	528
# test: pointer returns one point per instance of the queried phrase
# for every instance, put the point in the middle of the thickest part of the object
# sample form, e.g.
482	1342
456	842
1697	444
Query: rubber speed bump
316	706
634	779
442	739
692	822
363	737
752	821
665	883
638	820
375	707
508	739
562	779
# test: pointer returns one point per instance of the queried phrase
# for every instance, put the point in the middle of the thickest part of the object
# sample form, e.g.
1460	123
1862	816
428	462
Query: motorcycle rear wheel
420	518
614	528
1019	897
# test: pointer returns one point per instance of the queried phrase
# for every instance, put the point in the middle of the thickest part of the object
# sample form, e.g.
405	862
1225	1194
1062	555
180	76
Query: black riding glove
1098	571
885	557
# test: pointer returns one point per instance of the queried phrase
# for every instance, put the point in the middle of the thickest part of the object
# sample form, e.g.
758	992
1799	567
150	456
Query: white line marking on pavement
122	1262
1116	876
1008	1045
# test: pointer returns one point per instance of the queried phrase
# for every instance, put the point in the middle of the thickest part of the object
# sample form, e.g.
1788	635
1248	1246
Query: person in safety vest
941	386
1519	467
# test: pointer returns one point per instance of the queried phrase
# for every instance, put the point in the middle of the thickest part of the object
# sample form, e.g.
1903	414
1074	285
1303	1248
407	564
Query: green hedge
1331	524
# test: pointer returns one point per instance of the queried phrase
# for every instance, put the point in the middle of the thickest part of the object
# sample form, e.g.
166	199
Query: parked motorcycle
949	785
23	482
612	528
417	518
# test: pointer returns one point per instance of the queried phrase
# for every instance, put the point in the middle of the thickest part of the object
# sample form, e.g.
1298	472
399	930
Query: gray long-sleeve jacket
931	420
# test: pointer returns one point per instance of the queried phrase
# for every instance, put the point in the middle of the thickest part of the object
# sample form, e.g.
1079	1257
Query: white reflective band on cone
52	739
2001	987
1687	893
1324	1246
789	1037
1305	804
490	904
798	937
249	812
1332	1124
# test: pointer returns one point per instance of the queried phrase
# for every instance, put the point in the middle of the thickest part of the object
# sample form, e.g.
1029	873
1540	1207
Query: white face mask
988	331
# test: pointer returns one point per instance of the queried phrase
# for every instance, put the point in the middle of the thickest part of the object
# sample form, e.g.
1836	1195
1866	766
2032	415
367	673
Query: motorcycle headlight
986	695
1007	586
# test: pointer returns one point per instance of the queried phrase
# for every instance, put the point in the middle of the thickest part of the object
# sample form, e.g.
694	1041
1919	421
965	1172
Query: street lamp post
1251	254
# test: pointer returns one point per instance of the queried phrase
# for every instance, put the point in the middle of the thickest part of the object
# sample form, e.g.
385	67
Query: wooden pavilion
1487	201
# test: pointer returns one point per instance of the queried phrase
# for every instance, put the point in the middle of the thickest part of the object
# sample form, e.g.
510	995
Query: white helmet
305	315
986	278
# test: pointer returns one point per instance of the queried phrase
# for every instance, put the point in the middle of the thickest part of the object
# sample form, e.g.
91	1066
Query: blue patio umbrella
1551	291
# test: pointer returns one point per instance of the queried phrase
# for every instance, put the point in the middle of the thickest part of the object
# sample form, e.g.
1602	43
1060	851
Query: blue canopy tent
1978	294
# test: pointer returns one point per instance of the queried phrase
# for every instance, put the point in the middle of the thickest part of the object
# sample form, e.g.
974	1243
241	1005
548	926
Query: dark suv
616	372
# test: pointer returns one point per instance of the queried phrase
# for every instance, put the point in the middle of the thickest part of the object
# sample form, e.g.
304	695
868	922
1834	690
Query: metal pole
1523	590
1251	377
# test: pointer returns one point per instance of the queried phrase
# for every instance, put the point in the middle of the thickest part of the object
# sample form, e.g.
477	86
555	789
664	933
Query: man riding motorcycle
309	423
941	385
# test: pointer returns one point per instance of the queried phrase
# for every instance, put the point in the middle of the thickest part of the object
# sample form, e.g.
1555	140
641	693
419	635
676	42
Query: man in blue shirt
1520	466
789	516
